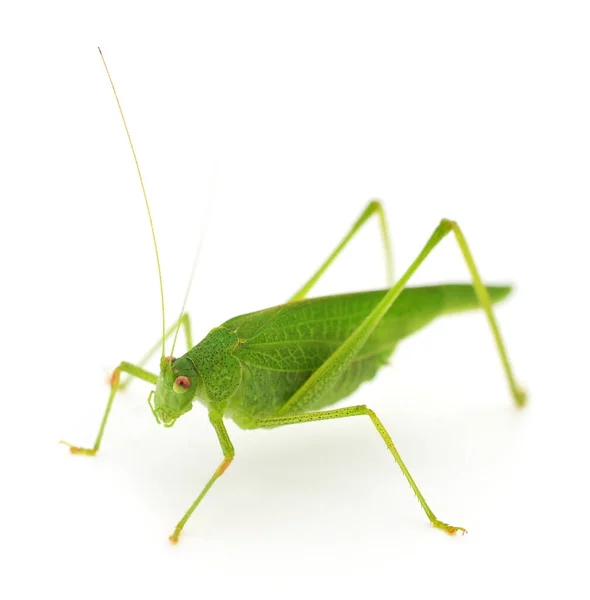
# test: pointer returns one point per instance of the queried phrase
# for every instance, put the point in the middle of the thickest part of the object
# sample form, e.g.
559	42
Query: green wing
282	346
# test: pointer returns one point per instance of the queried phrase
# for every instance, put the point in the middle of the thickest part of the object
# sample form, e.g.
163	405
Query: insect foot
174	537
450	529
77	450
520	396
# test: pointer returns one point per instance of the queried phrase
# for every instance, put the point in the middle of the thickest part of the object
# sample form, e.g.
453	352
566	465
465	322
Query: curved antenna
192	276
147	205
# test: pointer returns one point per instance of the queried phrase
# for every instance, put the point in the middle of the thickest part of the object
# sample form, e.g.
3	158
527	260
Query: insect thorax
218	370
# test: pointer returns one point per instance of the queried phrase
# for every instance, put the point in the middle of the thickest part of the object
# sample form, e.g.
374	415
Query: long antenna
192	275
147	205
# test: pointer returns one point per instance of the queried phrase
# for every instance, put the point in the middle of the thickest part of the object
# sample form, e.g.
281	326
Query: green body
283	365
249	367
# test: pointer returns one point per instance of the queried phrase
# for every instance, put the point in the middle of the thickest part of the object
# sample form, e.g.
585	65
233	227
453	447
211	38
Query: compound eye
181	384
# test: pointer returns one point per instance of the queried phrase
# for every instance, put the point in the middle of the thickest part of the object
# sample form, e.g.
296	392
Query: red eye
181	384
169	359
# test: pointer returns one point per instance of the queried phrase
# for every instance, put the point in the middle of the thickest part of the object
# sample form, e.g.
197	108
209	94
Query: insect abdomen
281	347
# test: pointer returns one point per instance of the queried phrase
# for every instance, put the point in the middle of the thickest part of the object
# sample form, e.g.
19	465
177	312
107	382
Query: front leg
228	455
124	367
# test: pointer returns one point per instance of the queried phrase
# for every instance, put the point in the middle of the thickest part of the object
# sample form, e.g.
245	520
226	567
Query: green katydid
286	364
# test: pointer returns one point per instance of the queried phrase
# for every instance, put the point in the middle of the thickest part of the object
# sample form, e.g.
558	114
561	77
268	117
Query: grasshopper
286	364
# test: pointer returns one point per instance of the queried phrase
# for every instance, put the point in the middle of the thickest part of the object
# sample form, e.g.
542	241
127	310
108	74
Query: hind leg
374	207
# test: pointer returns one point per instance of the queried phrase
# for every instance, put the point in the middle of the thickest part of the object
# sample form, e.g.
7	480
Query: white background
287	118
